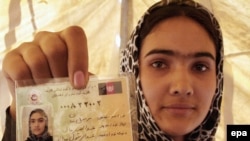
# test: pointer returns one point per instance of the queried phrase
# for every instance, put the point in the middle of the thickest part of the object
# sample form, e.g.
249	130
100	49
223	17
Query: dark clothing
10	128
41	139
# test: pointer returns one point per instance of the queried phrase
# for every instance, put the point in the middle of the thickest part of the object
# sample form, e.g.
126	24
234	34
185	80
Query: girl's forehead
179	23
180	34
37	114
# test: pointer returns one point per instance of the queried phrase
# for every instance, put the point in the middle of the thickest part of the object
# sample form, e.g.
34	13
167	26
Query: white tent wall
108	24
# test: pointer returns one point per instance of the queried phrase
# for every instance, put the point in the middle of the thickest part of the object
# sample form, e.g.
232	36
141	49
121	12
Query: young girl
176	55
38	126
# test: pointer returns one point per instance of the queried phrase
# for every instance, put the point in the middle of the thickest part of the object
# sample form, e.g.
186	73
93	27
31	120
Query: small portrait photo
37	123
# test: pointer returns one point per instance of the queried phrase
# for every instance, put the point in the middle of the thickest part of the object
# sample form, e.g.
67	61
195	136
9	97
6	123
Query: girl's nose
181	83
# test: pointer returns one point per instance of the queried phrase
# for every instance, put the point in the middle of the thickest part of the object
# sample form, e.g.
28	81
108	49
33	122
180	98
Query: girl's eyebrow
161	51
204	54
36	118
173	53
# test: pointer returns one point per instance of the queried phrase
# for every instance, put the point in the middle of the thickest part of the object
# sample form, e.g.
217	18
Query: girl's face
178	74
37	124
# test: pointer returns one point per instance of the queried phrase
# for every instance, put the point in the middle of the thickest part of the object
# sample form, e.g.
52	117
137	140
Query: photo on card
37	123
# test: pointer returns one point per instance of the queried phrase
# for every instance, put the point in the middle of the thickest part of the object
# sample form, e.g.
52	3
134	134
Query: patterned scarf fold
148	130
45	137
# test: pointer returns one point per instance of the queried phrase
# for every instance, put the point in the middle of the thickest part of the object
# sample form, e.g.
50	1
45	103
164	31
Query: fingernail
79	79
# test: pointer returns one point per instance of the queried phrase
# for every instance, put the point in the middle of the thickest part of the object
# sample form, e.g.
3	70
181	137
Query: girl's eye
32	121
201	67
158	64
41	120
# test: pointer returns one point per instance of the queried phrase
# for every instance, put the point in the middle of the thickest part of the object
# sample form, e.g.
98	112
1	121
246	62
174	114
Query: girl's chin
177	128
177	125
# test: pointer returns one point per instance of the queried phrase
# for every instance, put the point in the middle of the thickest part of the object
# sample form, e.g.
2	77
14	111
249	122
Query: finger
76	42
55	51
15	68
36	61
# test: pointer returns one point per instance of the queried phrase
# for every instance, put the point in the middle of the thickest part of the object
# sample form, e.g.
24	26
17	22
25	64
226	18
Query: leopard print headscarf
148	130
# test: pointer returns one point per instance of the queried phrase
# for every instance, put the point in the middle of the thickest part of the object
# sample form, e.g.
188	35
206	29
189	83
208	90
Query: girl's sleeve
10	127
